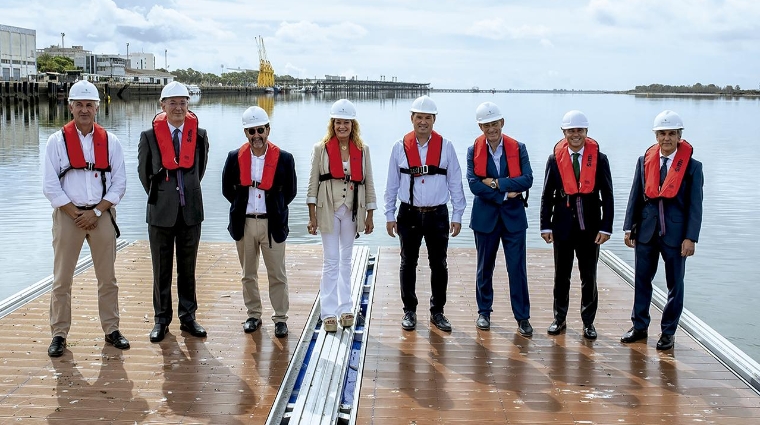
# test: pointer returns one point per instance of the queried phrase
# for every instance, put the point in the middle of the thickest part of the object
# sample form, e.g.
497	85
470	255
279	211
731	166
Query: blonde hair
355	133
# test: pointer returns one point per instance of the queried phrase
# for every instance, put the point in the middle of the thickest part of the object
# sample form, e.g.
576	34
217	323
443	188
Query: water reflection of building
266	103
18	58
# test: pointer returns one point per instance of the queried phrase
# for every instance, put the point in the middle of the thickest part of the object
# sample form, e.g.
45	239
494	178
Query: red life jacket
270	165
74	149
336	164
675	175
433	159
166	145
588	167
511	150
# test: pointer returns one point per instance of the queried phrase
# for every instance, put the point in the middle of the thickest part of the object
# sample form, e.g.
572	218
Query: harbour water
721	277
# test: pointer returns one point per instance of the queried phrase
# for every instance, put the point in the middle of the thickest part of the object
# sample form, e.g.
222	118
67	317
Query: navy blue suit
683	220
495	219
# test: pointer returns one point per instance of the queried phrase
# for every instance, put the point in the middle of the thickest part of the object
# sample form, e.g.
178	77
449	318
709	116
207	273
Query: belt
423	209
91	207
257	216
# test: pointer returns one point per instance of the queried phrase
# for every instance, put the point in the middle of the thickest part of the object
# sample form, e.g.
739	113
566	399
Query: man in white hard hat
424	174
663	218
498	173
576	216
259	180
84	178
172	157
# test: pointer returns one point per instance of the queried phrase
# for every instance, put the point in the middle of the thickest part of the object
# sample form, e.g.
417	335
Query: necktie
576	166
663	170
175	140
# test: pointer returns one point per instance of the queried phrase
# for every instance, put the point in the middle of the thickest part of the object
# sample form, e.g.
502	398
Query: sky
538	44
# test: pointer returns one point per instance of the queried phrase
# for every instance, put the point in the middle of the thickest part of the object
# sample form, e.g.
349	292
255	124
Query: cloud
497	29
311	33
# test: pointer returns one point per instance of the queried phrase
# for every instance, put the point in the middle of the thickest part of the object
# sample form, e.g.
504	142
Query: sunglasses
254	130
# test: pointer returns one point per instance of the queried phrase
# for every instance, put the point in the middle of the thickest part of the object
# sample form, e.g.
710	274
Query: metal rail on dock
727	353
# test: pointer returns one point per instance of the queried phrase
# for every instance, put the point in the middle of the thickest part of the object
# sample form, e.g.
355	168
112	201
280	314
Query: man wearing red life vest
663	218
172	157
424	174
498	172
576	216
84	178
259	180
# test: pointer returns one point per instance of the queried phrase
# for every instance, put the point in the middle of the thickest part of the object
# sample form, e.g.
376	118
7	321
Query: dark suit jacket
489	204
598	206
277	198
683	213
163	197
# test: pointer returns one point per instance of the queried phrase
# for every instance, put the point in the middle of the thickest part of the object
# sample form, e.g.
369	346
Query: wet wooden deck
422	377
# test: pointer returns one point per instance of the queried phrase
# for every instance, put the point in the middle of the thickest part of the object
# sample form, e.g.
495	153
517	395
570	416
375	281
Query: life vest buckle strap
89	166
422	170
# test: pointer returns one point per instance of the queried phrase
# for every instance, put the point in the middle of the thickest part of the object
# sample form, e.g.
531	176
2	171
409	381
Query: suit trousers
581	243
67	244
255	241
337	246
647	258
433	226
487	246
162	246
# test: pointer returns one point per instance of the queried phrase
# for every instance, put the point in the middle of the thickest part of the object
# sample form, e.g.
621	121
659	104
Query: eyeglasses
181	104
254	130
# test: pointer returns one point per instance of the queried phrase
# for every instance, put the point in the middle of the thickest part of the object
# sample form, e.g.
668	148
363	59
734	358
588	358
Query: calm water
721	278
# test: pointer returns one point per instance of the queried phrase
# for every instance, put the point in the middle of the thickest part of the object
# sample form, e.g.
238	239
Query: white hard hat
83	90
425	105
487	112
667	120
174	89
574	119
255	117
343	109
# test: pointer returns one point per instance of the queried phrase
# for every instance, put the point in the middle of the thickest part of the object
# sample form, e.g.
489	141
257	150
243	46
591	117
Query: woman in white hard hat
341	199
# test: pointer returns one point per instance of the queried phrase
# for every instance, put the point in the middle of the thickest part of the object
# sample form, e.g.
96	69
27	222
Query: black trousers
162	245
432	225
581	244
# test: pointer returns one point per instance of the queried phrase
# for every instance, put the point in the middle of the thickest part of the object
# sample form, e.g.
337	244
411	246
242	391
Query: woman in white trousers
341	199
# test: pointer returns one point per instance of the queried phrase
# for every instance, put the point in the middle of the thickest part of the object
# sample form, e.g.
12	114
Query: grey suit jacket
161	184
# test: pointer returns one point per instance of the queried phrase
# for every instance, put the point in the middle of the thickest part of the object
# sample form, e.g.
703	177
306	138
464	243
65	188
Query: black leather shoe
280	329
556	327
116	339
159	332
483	323
57	346
666	342
524	327
633	335
409	322
441	322
589	331
193	328
251	325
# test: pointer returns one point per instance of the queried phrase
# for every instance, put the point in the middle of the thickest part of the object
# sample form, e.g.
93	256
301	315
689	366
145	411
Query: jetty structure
371	373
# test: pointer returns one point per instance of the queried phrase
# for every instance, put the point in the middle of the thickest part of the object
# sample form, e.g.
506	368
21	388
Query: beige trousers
255	241
67	244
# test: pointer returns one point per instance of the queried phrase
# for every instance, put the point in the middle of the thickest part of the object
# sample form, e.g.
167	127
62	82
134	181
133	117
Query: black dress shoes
589	331
280	329
441	322
409	322
525	329
159	332
116	339
666	342
57	346
556	327
193	328
483	323
633	335
251	325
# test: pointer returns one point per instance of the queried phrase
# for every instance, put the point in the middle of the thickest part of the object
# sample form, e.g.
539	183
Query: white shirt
670	158
82	187
256	200
171	132
429	190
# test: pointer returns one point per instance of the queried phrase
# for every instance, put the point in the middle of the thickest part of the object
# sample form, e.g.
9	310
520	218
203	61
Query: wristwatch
97	212
493	184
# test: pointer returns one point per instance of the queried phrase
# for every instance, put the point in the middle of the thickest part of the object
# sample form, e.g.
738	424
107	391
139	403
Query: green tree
48	63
